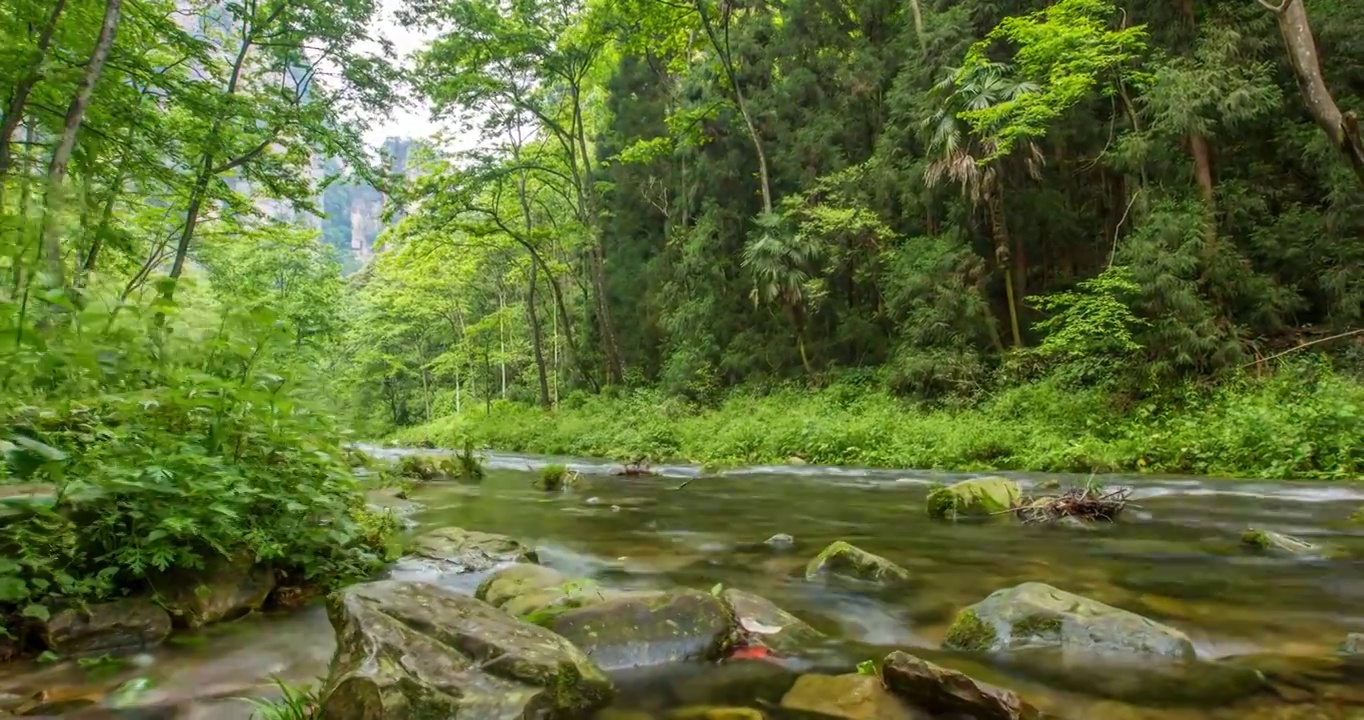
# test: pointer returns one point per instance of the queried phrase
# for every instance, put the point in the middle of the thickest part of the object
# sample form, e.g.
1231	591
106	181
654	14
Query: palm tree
955	153
780	262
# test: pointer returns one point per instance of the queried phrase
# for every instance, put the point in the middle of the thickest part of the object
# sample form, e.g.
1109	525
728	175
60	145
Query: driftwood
636	468
1084	503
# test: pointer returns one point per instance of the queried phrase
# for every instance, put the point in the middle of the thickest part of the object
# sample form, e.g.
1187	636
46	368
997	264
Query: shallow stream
1174	557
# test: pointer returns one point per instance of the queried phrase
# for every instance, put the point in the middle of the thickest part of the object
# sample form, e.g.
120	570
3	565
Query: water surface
1174	557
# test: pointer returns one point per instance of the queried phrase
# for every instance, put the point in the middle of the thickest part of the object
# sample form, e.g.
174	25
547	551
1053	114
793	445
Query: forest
1073	236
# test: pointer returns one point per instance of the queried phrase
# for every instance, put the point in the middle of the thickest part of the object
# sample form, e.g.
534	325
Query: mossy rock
1353	645
554	478
540	605
646	629
716	713
978	497
117	625
848	560
226	588
512	582
416	650
1035	615
845	697
463	550
427	468
1268	541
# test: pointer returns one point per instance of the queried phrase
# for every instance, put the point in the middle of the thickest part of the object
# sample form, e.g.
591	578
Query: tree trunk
919	25
1342	129
1202	158
14	109
536	334
61	157
1001	237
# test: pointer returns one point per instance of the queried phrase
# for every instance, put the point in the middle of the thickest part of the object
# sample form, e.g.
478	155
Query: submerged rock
519	579
764	624
848	697
415	650
641	629
948	692
841	558
976	497
780	541
716	713
117	625
226	588
1036	615
470	550
1279	543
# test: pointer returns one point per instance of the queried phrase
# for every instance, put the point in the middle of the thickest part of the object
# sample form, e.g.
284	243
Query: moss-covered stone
511	582
416	650
968	632
845	697
225	588
716	713
120	624
460	550
1035	615
427	467
1268	541
846	559
642	629
949	693
976	497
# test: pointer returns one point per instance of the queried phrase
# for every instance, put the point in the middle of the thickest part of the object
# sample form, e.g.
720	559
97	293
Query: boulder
226	588
1036	615
841	558
117	625
1353	645
641	629
465	551
512	582
416	650
764	624
976	497
948	692
847	697
1268	541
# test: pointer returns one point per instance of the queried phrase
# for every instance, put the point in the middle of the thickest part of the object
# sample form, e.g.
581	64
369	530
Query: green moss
1256	539
968	632
1040	625
552	478
941	502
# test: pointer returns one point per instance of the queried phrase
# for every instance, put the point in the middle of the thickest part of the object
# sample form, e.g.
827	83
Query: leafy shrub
162	441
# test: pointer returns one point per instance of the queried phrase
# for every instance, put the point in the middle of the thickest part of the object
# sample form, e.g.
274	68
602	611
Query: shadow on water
1174	558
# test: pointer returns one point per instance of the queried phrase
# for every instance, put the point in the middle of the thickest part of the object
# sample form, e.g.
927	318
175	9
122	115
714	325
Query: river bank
1293	425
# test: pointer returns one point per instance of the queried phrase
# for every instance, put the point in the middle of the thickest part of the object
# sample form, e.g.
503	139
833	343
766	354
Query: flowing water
1174	557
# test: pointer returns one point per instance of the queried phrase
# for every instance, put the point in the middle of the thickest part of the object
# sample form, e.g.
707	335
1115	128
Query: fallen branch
1086	503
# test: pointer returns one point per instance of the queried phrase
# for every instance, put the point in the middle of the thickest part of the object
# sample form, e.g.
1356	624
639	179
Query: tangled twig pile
1084	503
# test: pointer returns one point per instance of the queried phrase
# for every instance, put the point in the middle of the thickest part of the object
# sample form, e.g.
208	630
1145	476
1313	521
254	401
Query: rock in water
513	582
117	625
780	541
849	697
842	558
977	497
416	650
226	588
648	628
1353	645
762	623
1278	543
470	550
1036	615
948	692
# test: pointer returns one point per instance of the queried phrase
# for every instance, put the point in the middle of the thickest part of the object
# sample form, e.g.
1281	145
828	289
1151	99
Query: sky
412	121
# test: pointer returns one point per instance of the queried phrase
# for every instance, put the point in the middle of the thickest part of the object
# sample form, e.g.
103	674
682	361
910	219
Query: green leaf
37	611
12	589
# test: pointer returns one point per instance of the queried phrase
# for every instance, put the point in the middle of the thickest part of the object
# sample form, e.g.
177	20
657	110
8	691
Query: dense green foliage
1135	201
167	345
1302	423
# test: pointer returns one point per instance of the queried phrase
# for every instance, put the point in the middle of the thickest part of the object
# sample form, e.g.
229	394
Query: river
1174	557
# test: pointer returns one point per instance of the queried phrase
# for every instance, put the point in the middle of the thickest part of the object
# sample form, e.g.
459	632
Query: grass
1304	422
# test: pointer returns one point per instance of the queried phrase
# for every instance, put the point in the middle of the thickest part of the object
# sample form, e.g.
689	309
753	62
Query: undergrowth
1304	421
141	440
